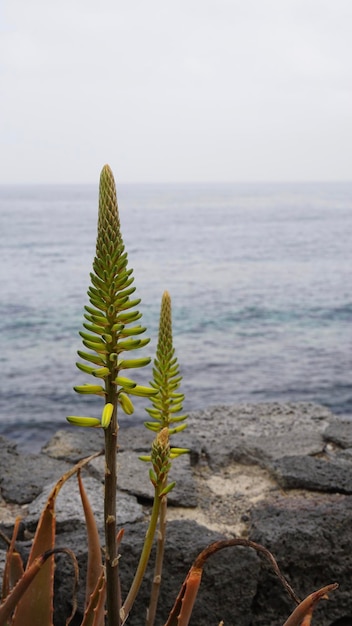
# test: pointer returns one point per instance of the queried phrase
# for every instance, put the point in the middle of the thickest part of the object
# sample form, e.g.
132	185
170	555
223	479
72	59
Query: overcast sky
189	90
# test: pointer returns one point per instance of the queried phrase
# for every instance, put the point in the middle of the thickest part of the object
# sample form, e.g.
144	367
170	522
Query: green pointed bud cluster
174	453
167	401
110	326
160	458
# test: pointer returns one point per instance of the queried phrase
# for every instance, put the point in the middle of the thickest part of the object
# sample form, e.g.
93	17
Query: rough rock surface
22	476
277	474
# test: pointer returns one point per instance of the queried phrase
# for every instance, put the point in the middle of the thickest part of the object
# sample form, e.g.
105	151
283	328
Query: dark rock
259	433
22	477
344	456
241	457
311	538
132	473
313	474
7	446
2	562
74	444
339	431
68	506
75	539
228	585
133	477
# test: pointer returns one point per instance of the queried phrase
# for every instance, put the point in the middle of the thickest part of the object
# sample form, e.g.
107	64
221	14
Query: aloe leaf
20	591
95	611
307	606
13	565
36	604
186	602
95	563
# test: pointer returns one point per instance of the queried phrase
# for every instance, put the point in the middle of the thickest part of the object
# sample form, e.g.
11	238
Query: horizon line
183	183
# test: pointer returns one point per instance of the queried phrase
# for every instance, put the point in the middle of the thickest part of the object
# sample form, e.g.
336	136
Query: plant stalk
144	558
154	595
113	600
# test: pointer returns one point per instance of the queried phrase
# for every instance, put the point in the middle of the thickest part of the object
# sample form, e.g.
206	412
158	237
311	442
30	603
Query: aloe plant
28	591
110	330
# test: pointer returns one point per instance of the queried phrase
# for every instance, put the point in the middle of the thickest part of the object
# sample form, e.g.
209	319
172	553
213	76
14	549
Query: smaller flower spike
167	402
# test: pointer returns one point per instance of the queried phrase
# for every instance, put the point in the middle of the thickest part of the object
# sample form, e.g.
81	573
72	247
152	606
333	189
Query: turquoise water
260	278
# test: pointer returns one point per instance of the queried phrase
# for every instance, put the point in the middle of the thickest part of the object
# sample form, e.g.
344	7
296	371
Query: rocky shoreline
279	474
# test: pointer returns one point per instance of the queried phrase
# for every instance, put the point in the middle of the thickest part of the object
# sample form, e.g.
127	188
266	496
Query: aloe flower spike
110	332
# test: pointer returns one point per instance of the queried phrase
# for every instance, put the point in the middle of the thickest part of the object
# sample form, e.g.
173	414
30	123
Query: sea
260	277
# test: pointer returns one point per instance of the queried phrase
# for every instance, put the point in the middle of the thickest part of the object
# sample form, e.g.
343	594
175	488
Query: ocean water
260	280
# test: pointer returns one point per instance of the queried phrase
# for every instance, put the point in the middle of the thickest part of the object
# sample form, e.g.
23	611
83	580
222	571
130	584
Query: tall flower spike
108	332
167	403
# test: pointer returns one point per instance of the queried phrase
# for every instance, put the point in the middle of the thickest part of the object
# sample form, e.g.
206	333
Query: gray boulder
311	538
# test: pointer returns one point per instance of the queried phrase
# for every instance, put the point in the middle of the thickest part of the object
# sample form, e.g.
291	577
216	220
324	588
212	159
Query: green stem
144	558
154	596
113	601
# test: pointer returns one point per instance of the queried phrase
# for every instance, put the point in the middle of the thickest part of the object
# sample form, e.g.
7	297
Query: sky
182	91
